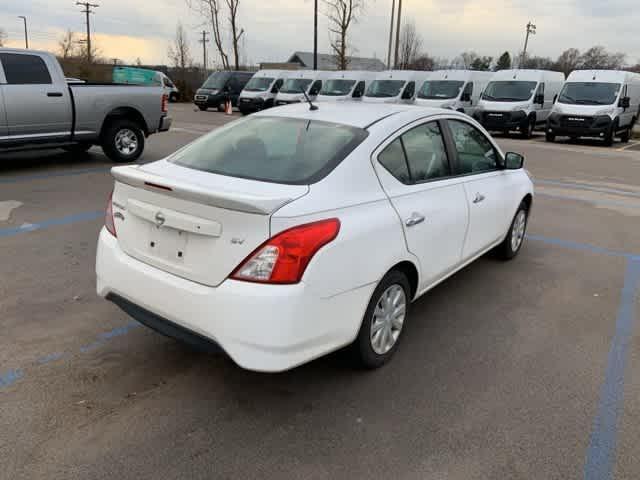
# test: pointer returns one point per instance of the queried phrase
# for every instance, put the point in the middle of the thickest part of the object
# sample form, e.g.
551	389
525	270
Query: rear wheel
512	243
173	98
383	321
123	141
550	137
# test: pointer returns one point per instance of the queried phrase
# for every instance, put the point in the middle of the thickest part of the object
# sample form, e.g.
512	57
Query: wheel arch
128	113
409	269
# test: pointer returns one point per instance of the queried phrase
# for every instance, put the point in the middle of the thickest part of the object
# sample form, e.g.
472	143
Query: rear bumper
165	124
266	328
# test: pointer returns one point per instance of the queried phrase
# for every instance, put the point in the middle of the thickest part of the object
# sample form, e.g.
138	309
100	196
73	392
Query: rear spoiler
242	202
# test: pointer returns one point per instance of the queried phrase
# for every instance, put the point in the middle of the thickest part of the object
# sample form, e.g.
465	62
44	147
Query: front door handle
479	198
54	94
414	220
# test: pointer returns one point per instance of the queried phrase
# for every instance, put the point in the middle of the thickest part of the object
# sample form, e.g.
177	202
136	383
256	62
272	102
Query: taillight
284	258
108	217
165	103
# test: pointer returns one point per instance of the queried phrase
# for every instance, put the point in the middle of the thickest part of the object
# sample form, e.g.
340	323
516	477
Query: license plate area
167	244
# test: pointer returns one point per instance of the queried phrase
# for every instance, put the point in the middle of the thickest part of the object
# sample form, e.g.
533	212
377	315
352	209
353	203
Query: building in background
328	62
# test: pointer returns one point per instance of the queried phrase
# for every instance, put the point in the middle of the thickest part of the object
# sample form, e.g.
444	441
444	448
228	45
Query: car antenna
312	107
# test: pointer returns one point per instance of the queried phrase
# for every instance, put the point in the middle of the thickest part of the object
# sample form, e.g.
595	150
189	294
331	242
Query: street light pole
315	35
531	30
393	11
399	24
26	35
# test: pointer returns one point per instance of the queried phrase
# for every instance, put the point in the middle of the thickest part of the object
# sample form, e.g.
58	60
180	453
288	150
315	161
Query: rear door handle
54	94
414	220
479	198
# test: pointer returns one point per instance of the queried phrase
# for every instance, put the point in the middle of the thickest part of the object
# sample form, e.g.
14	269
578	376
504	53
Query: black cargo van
220	87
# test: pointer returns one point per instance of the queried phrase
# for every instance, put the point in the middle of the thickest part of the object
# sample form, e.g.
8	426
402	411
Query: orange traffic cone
228	108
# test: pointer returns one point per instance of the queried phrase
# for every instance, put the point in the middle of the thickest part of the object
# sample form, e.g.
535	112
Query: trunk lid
193	224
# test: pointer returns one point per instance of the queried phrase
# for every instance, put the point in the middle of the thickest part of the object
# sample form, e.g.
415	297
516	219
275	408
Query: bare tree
3	37
597	58
410	46
236	31
67	45
341	15
95	52
179	52
210	9
568	61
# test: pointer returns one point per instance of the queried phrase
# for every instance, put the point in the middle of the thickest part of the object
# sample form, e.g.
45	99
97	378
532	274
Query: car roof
356	114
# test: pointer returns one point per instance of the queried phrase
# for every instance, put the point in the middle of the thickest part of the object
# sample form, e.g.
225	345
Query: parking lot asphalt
520	370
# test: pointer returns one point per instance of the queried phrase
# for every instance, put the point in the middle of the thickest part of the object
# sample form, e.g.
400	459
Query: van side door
626	115
36	107
4	130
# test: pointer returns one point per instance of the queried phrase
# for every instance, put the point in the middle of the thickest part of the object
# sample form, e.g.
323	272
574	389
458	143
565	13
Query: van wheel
526	131
383	321
626	135
608	137
221	107
202	108
550	137
512	243
123	141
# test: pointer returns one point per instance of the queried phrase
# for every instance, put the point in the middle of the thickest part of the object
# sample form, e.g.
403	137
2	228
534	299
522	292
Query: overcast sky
127	29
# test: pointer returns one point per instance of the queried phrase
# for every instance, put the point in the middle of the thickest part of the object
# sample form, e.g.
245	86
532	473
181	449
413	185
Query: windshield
385	88
337	88
295	85
216	80
273	149
440	89
261	84
589	93
509	91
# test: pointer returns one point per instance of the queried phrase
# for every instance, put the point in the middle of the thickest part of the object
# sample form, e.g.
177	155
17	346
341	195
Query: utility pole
26	36
204	42
398	32
393	12
531	30
315	35
87	11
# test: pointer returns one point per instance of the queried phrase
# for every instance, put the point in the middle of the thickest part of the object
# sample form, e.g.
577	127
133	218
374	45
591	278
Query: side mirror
314	91
466	97
513	161
625	102
539	99
274	89
357	93
406	95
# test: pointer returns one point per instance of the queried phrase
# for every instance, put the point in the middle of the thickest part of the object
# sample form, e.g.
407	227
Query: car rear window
273	149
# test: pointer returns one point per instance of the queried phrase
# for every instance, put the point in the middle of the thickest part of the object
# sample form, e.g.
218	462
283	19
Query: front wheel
383	321
526	131
626	135
512	243
609	135
550	137
123	141
202	108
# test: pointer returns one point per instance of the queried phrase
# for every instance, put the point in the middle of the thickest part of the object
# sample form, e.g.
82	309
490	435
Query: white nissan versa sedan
294	232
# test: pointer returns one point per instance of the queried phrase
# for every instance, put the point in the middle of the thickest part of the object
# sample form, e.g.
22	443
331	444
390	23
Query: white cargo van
453	89
260	92
345	85
518	100
395	86
308	81
596	103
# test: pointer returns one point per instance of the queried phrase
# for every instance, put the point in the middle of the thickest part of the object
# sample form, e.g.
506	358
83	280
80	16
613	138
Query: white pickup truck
40	109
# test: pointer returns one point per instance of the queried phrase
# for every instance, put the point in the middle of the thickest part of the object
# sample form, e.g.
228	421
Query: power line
87	11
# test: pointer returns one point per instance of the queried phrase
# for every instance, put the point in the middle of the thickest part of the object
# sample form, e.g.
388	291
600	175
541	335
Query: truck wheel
202	108
123	141
78	148
550	137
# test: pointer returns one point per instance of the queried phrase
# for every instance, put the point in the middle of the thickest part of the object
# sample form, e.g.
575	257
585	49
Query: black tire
626	135
112	145
220	108
202	108
78	148
506	250
550	137
526	131
363	351
173	98
610	134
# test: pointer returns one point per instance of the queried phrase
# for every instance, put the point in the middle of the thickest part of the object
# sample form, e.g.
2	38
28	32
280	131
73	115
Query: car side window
476	154
20	69
426	154
393	159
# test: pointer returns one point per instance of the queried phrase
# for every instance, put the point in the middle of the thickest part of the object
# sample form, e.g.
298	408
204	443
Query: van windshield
261	84
509	91
440	89
337	88
385	88
589	93
295	85
272	149
216	80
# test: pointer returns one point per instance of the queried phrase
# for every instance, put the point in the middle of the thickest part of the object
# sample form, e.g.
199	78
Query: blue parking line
10	377
613	203
80	217
584	186
43	176
600	459
582	246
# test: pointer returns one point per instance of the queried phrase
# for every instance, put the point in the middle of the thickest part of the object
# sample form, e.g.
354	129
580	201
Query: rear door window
21	69
273	149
